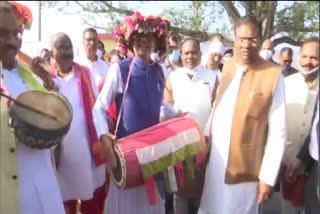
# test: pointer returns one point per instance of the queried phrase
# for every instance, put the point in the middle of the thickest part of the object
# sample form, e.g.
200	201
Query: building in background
108	41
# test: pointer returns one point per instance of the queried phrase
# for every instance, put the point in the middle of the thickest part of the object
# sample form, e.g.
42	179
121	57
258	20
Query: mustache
68	56
309	65
8	47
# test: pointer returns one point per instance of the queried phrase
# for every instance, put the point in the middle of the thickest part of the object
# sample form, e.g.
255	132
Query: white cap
216	47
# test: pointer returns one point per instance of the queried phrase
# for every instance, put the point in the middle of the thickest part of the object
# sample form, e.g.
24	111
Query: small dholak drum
169	151
36	130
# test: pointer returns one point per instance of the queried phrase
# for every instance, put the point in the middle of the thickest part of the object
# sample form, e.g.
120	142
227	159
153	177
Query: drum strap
124	96
26	75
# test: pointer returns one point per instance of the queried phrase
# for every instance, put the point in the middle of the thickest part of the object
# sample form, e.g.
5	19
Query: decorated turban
137	23
22	14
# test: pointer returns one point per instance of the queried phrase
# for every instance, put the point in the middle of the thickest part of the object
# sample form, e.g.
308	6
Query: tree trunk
268	31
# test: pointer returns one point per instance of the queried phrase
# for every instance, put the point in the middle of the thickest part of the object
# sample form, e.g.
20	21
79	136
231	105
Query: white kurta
77	173
133	200
193	95
39	191
99	68
222	198
204	61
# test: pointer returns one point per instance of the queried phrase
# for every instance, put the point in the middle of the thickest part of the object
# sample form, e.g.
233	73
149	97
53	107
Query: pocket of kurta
257	105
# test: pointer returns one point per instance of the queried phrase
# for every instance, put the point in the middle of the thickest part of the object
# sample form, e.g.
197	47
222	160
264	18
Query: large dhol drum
40	131
169	151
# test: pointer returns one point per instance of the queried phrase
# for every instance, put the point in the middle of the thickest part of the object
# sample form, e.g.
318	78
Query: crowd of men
260	119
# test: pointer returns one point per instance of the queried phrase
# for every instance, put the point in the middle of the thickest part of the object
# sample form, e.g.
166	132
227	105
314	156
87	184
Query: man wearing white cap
214	57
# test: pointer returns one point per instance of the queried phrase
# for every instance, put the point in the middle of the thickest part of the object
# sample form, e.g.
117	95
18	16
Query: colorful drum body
171	149
39	131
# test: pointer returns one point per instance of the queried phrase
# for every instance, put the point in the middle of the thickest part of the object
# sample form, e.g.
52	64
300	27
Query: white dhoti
132	201
241	198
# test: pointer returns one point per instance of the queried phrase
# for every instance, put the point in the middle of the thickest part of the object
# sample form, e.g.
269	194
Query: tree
200	16
197	18
298	20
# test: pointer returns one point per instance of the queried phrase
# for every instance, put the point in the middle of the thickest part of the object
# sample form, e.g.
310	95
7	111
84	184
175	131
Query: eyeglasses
253	40
94	40
7	34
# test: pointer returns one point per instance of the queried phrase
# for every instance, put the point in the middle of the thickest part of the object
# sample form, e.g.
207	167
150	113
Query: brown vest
250	120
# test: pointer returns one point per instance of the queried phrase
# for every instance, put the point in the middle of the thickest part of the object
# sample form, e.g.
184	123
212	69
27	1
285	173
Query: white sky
53	22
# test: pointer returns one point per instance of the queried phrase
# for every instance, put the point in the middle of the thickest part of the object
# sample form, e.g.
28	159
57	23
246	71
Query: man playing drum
80	165
141	106
28	184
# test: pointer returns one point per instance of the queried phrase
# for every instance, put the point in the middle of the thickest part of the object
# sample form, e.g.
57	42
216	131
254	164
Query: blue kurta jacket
144	96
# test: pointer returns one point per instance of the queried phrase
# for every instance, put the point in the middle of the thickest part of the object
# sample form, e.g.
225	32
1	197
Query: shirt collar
192	71
69	75
241	68
15	66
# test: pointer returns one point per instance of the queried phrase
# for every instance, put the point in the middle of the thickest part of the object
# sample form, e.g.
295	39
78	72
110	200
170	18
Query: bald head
58	37
267	45
62	51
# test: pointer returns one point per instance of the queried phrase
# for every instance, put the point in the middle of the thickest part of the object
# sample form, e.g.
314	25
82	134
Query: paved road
272	206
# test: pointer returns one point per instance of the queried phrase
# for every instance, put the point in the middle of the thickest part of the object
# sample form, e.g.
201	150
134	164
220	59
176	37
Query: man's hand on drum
42	72
107	145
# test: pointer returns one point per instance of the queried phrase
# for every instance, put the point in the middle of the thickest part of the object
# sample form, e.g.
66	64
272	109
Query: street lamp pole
39	10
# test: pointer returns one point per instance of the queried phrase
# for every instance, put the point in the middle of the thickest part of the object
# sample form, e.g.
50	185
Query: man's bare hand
264	192
181	113
294	168
107	145
41	70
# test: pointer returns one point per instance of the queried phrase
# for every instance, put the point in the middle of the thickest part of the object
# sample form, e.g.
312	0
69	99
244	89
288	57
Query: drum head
119	173
52	103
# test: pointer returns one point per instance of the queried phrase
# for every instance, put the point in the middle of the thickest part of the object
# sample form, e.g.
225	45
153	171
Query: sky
53	22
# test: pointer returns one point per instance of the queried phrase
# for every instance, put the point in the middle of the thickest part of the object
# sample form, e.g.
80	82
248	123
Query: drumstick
27	107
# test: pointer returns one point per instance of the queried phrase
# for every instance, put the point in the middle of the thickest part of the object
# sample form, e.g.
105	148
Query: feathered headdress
137	23
23	15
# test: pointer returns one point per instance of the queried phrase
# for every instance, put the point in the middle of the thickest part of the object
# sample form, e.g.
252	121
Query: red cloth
23	15
179	173
92	206
150	185
111	114
293	192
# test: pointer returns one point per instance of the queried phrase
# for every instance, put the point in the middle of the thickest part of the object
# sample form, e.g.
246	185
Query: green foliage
197	15
300	19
